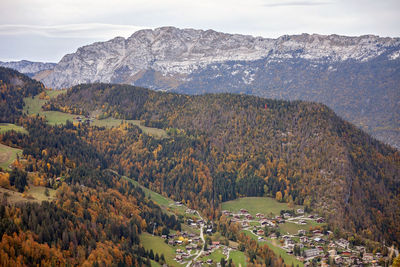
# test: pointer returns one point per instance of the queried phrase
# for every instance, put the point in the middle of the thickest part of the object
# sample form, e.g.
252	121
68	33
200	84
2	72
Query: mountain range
28	67
213	148
358	77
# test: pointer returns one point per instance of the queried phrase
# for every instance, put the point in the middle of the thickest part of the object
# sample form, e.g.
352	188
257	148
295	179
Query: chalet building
312	252
338	260
249	217
320	220
178	257
215	243
319	240
259	215
226	212
287	215
243	211
346	253
264	222
185	255
304	239
260	232
301	232
332	252
343	243
300	211
368	257
289	243
317	232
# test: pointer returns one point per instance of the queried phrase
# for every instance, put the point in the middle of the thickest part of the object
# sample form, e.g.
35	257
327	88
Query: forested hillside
224	146
96	217
14	86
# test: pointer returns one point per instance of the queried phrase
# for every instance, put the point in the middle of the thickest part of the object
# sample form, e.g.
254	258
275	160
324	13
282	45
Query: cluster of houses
85	119
186	243
339	252
183	237
310	245
315	244
189	245
244	217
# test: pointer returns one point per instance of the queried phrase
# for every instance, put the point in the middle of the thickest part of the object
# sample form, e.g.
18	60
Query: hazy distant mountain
359	77
28	67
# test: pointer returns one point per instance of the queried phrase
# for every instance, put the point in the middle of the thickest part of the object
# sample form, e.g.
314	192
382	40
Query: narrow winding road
202	238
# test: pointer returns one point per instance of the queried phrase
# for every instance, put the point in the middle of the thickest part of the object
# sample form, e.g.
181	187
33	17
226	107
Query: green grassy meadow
254	205
238	258
5	127
293	228
158	245
8	155
111	122
34	105
215	256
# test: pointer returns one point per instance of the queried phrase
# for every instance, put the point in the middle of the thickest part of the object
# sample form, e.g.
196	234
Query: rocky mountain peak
172	51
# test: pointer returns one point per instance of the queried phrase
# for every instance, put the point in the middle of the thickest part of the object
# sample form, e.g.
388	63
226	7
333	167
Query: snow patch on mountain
169	50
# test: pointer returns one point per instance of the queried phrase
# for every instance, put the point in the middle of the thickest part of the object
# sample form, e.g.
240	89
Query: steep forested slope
364	93
97	216
224	146
14	86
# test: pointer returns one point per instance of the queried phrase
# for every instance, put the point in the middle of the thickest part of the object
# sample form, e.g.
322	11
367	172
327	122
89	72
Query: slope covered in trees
97	215
14	86
225	146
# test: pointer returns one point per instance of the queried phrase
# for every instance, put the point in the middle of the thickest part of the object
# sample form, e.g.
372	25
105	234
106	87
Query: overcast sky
45	30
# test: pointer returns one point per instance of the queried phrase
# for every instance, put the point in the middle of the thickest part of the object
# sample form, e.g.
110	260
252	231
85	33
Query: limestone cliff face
180	52
28	67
